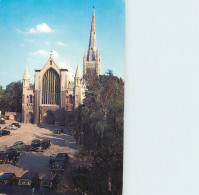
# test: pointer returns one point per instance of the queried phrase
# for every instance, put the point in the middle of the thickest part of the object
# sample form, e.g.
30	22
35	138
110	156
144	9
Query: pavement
39	161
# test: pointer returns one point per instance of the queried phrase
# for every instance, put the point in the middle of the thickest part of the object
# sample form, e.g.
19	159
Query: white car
11	127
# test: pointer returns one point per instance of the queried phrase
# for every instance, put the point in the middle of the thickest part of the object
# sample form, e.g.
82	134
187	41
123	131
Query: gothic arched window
50	87
30	98
70	99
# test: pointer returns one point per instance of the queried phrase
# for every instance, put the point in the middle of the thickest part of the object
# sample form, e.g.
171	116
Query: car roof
29	175
45	140
34	140
61	154
8	151
6	175
18	142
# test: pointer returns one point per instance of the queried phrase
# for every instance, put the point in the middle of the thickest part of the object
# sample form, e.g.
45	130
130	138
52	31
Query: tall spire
92	42
26	74
92	61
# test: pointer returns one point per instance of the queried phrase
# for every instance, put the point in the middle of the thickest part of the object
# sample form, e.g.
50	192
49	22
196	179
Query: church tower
91	60
26	79
27	99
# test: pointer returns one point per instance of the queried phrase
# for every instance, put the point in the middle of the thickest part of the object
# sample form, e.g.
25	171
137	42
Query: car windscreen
24	182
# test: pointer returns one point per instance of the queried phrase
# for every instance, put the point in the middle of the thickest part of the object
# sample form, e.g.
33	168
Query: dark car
29	179
2	121
1	152
50	183
58	162
4	132
34	146
59	131
45	144
16	124
8	178
8	156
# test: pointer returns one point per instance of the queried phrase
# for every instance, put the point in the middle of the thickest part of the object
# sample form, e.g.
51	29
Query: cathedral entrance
31	117
50	118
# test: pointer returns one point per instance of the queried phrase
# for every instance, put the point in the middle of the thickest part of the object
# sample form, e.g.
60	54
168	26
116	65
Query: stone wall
13	116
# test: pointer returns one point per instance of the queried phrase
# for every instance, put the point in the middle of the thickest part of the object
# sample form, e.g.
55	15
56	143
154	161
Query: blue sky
30	29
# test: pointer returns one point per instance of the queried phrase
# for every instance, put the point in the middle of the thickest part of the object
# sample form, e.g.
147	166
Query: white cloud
41	28
60	43
45	53
64	65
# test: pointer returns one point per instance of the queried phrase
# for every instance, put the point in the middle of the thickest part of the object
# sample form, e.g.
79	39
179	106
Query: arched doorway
50	118
31	117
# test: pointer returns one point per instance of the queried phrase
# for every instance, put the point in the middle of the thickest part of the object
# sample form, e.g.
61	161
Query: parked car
45	144
8	178
50	183
2	121
29	179
8	156
60	131
11	127
34	146
16	124
1	152
4	132
18	145
58	162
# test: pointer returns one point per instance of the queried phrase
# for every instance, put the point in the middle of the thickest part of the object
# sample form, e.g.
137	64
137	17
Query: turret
26	79
77	80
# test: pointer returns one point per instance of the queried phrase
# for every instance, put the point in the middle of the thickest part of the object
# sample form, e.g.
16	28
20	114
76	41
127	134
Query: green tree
100	120
11	97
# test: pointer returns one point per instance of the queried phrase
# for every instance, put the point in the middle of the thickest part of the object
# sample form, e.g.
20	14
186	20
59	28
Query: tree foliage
100	120
11	97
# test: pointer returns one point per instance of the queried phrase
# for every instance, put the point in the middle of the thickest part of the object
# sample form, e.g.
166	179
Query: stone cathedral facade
55	89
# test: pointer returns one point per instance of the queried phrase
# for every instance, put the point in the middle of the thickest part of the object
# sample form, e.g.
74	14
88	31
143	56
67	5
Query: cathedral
55	90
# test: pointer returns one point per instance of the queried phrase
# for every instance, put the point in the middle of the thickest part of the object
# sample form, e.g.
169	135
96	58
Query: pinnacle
26	74
78	72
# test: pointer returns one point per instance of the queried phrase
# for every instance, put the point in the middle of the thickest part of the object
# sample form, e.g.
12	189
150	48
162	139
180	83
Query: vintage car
8	156
34	146
45	144
18	145
8	178
58	162
4	132
2	121
11	127
29	179
16	124
59	131
50	183
1	152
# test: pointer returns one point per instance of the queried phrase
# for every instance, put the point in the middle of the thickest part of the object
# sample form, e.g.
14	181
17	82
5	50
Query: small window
50	62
